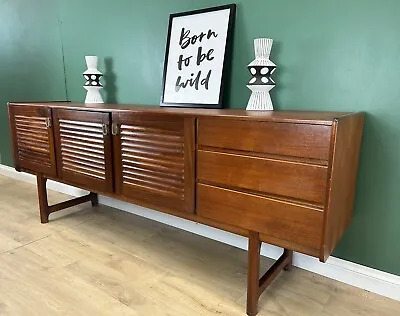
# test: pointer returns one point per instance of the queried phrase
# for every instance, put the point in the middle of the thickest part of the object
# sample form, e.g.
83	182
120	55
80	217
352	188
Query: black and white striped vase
261	82
92	76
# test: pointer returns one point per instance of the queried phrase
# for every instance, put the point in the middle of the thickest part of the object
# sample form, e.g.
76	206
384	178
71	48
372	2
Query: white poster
195	57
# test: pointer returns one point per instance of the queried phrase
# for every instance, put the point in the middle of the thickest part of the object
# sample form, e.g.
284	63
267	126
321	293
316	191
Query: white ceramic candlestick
92	76
261	83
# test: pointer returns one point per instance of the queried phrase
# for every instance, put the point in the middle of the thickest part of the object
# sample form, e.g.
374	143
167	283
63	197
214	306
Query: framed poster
195	57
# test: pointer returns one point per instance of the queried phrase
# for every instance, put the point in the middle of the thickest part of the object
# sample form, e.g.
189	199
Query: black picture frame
225	65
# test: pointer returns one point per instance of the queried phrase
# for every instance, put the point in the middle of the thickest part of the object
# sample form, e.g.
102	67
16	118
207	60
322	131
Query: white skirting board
375	281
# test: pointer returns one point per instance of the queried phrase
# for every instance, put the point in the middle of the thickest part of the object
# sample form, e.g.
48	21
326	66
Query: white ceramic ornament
261	83
92	76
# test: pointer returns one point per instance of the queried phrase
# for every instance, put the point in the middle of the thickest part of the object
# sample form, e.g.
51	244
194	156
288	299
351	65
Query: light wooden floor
107	262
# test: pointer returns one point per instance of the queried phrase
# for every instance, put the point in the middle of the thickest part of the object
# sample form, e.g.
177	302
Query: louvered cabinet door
33	140
154	160
83	147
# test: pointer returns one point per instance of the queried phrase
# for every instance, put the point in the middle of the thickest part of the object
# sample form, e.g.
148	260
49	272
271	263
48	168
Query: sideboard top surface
307	117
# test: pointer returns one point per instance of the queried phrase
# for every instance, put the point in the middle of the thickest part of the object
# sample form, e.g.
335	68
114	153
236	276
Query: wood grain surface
273	176
293	140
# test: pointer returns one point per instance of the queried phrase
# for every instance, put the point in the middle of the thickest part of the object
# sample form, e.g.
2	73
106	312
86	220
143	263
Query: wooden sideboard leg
255	285
288	253
253	274
94	199
46	209
43	203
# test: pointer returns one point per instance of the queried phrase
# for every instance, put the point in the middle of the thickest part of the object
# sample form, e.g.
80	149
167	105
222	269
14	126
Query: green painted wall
31	65
332	55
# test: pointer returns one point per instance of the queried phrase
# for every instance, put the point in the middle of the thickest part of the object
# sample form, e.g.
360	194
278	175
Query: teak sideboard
284	178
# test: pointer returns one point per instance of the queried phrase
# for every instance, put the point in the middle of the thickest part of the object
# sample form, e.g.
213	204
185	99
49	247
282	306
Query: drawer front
286	139
299	225
285	178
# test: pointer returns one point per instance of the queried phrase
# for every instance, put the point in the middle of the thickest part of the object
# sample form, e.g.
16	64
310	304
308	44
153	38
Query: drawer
286	139
285	178
296	224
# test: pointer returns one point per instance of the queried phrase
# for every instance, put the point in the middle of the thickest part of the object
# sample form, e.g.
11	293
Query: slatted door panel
32	134
154	160
84	151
